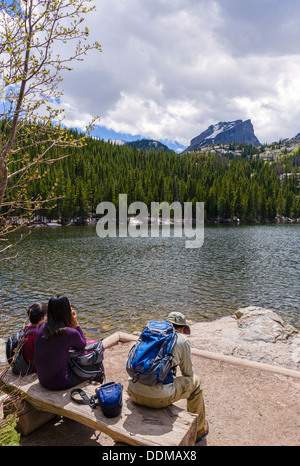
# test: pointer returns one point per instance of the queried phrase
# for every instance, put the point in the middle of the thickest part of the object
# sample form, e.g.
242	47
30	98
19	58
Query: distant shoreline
213	221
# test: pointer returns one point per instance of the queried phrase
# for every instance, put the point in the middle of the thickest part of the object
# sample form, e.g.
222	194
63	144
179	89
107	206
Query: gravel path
244	407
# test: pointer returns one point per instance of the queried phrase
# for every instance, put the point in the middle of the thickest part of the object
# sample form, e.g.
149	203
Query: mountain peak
225	132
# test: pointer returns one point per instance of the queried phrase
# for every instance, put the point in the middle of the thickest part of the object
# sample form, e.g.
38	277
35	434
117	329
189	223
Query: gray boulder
252	333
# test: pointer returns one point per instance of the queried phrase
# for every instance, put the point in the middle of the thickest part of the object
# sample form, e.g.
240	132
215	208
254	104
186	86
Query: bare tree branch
30	74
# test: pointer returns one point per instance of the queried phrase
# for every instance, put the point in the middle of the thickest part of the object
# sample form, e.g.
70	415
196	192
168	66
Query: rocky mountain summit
226	132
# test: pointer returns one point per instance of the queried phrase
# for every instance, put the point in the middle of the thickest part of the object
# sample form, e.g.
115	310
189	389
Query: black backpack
88	363
14	352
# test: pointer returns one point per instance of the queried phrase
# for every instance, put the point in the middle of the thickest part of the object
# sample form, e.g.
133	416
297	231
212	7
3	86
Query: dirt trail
244	407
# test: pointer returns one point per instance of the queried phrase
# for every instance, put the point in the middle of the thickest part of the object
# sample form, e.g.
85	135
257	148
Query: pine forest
243	186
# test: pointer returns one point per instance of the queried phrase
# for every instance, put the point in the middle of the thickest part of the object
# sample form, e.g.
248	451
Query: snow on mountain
224	132
219	128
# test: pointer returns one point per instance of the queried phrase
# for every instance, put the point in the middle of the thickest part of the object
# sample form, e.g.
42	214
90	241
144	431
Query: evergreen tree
241	187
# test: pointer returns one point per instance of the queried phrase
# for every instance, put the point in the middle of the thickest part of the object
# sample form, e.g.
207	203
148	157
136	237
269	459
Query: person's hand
74	321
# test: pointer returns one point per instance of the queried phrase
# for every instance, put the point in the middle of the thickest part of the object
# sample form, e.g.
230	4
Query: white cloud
170	68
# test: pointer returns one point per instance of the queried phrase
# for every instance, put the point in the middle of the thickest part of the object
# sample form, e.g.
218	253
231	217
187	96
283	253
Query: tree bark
3	179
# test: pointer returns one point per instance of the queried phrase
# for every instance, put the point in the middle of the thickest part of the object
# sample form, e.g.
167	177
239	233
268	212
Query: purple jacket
52	357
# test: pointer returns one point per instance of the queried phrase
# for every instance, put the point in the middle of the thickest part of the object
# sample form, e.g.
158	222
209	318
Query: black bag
108	397
88	363
14	352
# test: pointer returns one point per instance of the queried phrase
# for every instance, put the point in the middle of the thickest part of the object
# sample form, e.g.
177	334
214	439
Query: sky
171	68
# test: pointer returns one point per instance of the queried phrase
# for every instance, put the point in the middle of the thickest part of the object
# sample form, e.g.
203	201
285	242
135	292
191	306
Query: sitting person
187	386
36	315
53	340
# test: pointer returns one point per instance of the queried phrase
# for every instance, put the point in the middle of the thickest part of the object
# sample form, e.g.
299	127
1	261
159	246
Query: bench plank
29	418
137	425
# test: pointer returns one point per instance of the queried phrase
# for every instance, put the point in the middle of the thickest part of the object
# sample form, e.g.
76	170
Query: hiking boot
202	432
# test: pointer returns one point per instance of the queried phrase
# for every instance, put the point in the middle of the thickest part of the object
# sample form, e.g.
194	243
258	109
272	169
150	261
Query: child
36	314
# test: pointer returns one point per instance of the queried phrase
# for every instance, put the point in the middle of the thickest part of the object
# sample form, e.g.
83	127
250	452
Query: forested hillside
243	186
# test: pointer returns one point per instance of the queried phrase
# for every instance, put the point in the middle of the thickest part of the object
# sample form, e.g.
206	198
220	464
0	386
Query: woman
53	340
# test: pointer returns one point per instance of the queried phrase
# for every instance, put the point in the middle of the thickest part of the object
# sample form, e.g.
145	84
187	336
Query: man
187	386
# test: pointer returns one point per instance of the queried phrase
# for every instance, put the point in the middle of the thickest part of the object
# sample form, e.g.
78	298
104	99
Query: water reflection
119	283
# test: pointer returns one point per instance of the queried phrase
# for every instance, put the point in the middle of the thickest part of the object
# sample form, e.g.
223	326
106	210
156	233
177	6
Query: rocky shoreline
251	333
211	221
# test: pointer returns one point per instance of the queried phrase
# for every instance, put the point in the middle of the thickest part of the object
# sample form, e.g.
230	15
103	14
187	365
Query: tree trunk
3	179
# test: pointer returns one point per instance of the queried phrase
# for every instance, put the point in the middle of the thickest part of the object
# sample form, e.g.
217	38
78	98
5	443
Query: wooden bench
137	425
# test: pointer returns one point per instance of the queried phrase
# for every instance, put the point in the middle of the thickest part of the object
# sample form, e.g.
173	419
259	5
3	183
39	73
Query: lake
121	283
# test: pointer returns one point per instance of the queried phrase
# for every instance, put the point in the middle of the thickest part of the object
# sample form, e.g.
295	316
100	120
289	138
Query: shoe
202	433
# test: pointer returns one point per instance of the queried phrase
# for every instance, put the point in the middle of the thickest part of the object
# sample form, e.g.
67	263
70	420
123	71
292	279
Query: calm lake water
120	283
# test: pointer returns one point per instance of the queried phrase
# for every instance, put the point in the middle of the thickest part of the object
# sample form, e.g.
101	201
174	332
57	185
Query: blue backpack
150	360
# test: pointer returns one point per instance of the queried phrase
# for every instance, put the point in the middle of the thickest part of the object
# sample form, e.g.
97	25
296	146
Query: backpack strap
30	330
84	399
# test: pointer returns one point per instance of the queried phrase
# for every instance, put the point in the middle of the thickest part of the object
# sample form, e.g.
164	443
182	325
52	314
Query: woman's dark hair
36	312
59	316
